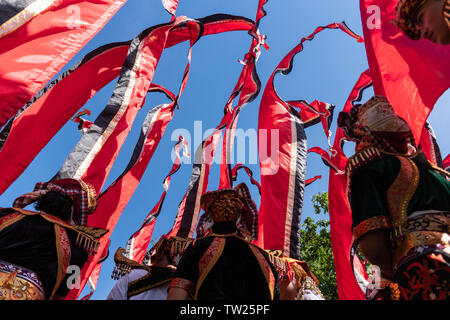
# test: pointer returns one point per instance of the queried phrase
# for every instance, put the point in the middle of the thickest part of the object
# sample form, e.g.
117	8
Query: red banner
75	87
247	87
283	171
138	243
339	207
412	74
40	39
446	163
94	155
170	6
189	208
429	145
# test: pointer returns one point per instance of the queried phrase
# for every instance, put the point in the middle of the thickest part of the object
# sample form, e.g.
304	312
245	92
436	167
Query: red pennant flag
283	171
247	87
93	157
446	163
315	112
138	242
34	127
311	180
339	207
170	6
189	208
37	38
249	172
412	74
429	145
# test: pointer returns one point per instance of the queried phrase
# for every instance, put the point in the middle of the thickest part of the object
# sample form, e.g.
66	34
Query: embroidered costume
393	188
222	263
36	248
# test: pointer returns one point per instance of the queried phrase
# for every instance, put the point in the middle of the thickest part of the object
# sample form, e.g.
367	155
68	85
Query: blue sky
326	70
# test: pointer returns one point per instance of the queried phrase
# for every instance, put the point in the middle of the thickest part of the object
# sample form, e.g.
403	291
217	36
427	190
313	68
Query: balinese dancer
400	204
37	248
429	19
150	279
222	263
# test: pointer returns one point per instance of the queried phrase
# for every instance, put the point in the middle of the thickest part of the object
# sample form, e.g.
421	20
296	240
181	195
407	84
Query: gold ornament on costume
13	287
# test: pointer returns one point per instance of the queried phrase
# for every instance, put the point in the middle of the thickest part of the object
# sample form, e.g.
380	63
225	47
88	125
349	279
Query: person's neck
224	228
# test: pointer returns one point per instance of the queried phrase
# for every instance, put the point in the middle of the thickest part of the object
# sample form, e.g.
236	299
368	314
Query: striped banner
170	6
247	88
42	117
446	163
189	207
239	166
429	145
100	144
14	14
137	244
283	172
37	38
339	207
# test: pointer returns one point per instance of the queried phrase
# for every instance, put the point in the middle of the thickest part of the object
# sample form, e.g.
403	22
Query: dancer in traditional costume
221	263
400	204
140	281
36	248
429	19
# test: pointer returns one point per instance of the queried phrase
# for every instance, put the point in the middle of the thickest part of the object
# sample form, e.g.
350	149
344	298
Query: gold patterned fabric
377	222
266	269
19	248
87	237
226	266
18	283
424	230
401	191
208	260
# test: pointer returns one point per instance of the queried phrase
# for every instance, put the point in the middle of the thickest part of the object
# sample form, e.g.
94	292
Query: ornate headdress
376	124
224	205
229	205
407	12
83	195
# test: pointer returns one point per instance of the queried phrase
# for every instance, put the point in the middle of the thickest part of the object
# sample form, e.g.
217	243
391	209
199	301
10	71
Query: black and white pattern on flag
115	105
300	177
10	8
189	207
91	55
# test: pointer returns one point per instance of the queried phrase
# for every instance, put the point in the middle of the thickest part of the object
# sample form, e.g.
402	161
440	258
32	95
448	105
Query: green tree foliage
316	247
